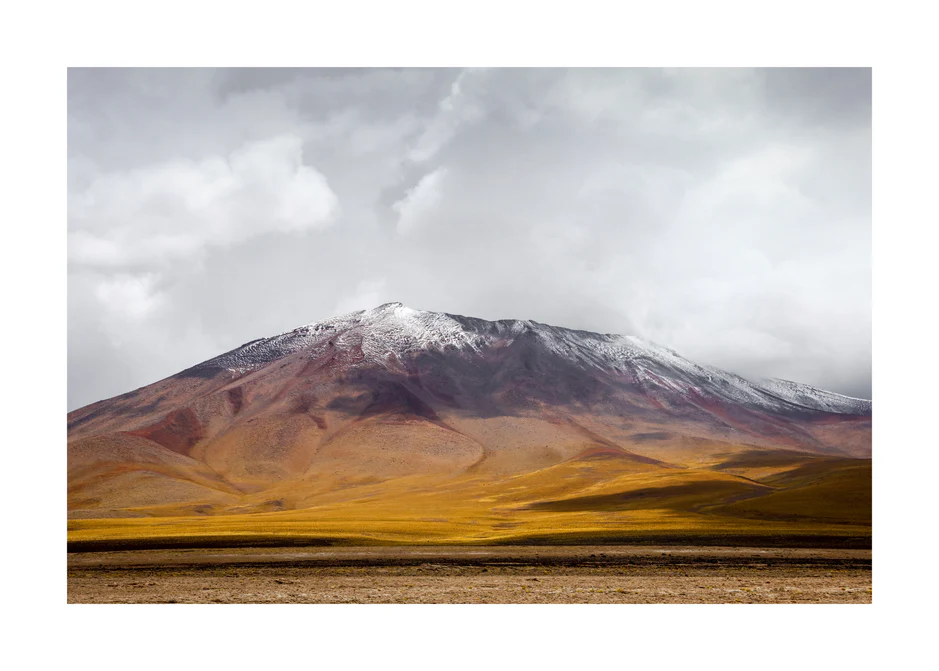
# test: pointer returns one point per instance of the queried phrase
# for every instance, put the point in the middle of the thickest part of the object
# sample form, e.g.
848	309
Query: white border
43	38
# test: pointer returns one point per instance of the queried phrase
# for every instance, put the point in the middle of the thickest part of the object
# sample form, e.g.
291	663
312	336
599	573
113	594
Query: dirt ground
610	574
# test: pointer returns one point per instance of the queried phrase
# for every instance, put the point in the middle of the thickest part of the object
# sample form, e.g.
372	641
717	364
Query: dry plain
473	574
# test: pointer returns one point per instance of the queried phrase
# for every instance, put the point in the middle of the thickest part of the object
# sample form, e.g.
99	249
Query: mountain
382	405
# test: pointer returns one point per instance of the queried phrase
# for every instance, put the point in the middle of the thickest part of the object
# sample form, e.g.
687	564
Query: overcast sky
723	213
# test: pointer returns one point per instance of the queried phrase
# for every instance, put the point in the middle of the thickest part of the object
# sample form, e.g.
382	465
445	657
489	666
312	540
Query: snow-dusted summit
392	333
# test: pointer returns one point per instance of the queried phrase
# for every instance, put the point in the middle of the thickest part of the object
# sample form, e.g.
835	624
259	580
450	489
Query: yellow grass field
580	501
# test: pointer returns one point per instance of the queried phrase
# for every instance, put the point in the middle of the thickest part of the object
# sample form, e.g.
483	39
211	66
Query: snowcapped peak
393	332
396	328
387	306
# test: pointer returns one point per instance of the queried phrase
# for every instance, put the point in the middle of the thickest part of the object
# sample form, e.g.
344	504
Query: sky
723	213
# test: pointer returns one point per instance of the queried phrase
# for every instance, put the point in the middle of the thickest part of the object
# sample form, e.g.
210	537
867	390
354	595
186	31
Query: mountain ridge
617	348
340	407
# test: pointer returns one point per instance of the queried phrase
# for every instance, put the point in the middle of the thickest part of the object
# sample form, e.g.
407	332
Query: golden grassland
583	501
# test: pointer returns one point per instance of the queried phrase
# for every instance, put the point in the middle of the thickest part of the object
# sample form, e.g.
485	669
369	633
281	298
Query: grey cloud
820	96
724	213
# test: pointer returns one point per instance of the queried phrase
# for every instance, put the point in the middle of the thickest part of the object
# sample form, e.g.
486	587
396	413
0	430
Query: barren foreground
597	574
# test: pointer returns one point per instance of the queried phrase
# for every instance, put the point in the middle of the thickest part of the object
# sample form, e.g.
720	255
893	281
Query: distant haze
723	213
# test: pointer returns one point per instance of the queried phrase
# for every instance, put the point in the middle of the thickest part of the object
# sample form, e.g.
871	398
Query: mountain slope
356	405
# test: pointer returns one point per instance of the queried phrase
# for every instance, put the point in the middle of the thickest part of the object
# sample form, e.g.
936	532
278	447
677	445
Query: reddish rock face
178	431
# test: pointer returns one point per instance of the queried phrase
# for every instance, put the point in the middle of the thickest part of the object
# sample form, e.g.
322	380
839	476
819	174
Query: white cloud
157	214
455	110
763	178
132	232
416	206
368	294
134	296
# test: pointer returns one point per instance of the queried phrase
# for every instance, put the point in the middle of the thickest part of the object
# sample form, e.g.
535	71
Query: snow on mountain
817	399
392	332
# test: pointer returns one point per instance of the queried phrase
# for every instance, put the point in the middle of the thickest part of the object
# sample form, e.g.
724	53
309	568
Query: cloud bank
724	213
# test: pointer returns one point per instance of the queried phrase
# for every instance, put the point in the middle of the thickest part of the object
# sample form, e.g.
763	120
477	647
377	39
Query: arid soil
608	574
